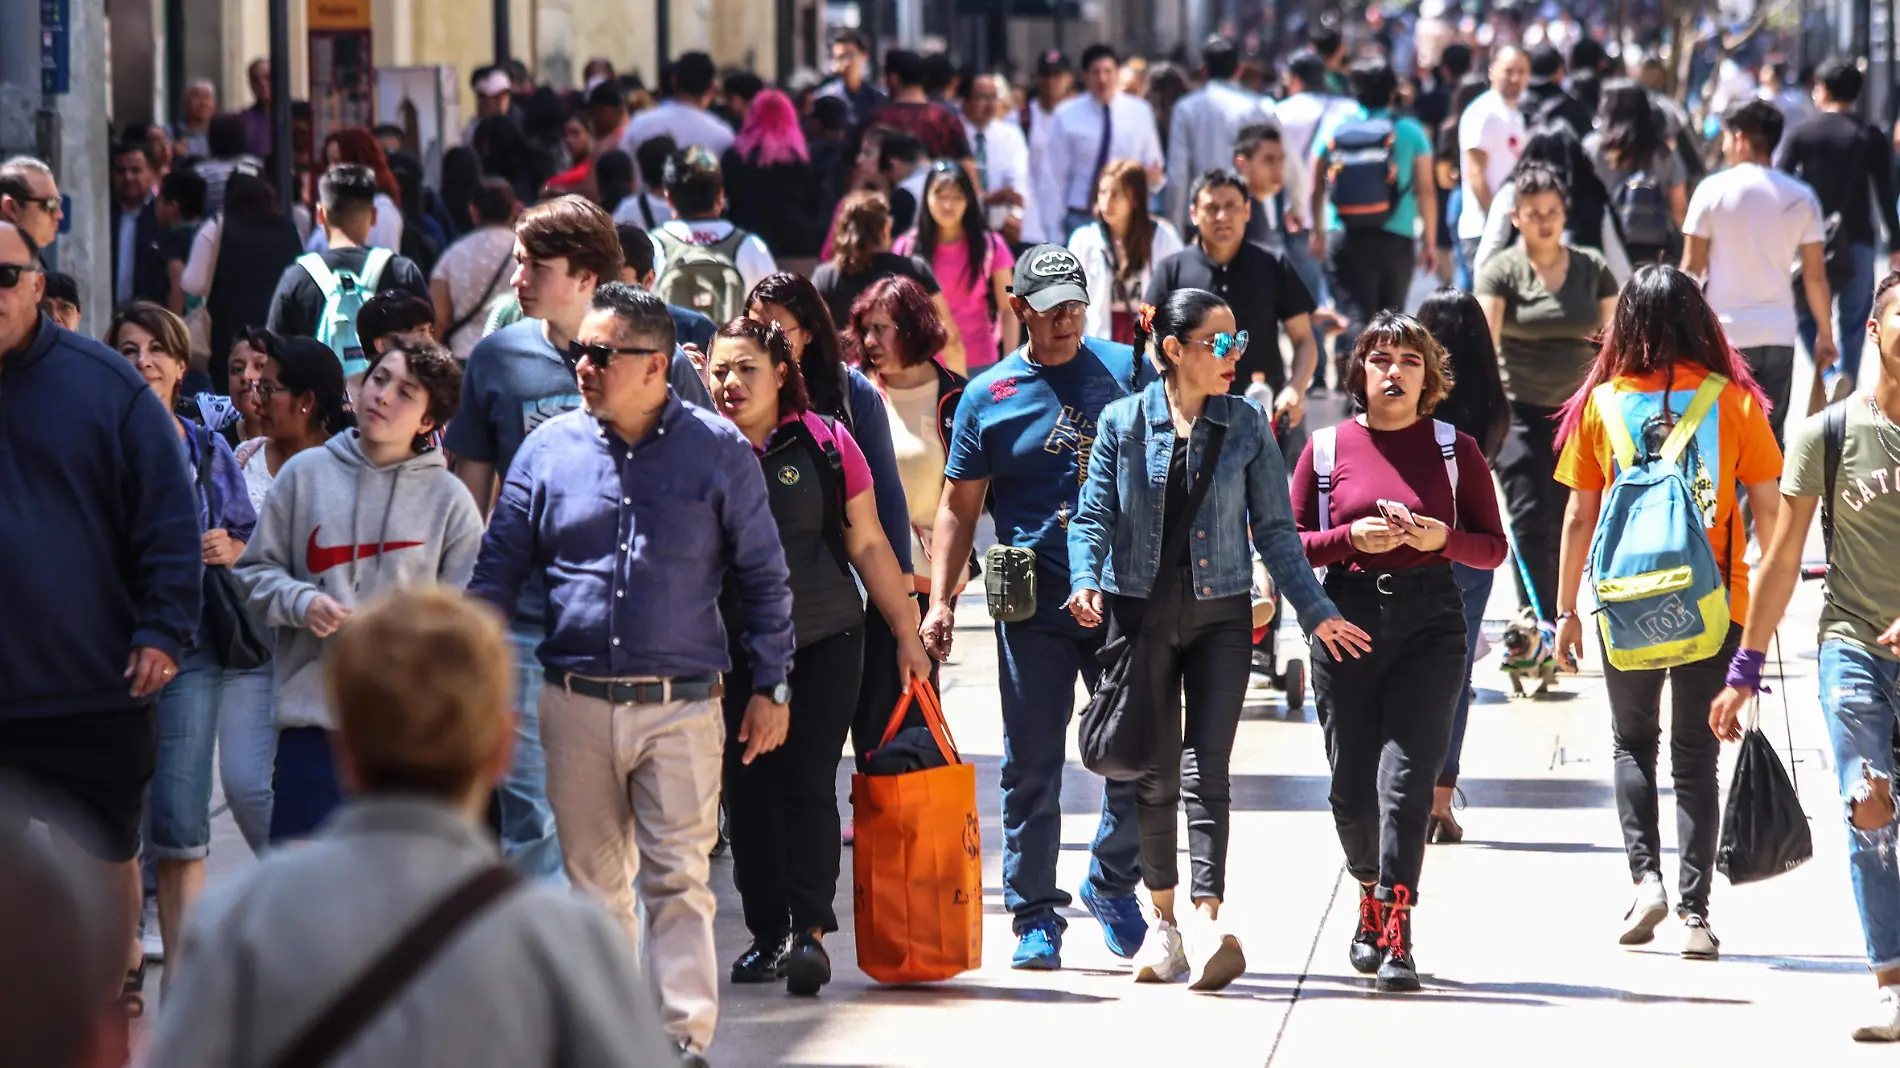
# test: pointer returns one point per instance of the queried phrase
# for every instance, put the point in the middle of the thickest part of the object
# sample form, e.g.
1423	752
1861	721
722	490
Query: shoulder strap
1609	410
728	246
1684	431
320	273
1197	494
394	968
1834	440
1447	437
373	267
488	293
1324	443
831	470
646	211
669	245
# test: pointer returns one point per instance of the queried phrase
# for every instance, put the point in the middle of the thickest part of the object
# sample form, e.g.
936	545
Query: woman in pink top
972	264
782	806
1405	497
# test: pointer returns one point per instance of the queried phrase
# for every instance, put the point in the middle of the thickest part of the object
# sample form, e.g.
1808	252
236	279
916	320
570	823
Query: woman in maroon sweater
1378	532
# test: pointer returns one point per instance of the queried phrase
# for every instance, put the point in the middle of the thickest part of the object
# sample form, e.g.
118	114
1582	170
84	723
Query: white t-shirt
754	260
1495	128
1762	217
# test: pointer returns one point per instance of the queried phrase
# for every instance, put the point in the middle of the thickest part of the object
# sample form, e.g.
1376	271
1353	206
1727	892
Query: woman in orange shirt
1663	342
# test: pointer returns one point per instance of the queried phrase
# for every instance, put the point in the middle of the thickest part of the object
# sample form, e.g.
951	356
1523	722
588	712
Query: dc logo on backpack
1661	595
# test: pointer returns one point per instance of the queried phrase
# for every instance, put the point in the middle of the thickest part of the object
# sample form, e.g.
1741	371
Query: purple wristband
1744	672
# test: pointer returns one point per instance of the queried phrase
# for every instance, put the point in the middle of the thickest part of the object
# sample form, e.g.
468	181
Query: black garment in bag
1764	831
1118	726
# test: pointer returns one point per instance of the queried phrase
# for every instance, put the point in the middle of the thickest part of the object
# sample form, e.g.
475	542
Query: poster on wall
422	103
342	74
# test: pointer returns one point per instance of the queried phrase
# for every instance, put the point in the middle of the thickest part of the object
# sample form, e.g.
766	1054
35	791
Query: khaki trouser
635	792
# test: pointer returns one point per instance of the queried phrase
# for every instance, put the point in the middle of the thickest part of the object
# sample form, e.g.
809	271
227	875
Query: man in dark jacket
1545	100
102	585
138	265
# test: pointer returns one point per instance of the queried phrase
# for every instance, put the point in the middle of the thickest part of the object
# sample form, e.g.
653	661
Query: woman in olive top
1545	301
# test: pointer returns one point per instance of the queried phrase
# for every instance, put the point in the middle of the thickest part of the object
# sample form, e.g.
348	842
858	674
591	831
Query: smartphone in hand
1397	514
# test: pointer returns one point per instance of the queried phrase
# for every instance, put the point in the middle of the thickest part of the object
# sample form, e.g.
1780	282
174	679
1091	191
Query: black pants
1370	271
1773	368
1387	716
879	689
1206	649
1636	719
1527	468
782	809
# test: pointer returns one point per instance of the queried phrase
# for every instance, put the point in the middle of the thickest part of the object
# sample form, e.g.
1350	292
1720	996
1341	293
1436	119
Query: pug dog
1530	651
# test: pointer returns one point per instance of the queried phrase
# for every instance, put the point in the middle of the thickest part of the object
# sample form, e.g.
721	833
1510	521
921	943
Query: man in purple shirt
637	509
257	128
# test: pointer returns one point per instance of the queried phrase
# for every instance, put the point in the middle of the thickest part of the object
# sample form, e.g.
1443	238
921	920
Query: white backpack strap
1447	438
373	267
319	272
1324	442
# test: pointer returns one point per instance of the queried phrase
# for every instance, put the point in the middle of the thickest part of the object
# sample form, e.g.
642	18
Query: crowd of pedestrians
558	525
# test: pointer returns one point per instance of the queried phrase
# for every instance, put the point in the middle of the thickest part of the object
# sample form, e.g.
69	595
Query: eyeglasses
1224	346
603	355
264	391
49	205
10	273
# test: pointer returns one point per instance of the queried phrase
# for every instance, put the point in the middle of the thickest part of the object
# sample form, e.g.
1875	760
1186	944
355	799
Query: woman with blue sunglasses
1200	631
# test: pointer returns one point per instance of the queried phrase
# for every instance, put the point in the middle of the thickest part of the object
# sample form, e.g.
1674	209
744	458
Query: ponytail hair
859	234
1184	311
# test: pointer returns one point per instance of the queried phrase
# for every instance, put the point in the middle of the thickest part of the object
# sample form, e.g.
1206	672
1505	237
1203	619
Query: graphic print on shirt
321	558
1074	432
538	411
1643	414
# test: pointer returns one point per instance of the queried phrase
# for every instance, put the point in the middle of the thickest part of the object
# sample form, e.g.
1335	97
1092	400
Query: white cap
494	83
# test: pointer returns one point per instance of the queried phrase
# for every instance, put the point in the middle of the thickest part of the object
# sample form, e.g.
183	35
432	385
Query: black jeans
1369	271
1206	649
782	809
879	689
1636	720
1773	368
1527	469
1387	716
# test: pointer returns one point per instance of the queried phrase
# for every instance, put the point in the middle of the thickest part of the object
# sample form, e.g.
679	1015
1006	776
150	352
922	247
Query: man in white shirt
1206	121
684	117
1309	108
696	190
1767	222
1088	132
1055	83
1491	136
1001	155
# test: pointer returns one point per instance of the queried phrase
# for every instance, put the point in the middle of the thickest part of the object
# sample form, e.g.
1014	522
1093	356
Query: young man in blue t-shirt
1023	433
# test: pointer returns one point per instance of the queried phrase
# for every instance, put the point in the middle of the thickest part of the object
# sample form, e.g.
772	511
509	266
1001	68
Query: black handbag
226	627
1764	830
1118	726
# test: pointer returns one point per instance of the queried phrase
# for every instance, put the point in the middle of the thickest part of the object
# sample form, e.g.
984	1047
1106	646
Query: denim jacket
1115	537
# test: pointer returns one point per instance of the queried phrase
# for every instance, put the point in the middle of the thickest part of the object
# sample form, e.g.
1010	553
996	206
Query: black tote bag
226	627
1118	727
1764	830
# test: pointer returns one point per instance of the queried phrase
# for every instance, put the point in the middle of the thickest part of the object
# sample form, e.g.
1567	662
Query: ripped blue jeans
1860	692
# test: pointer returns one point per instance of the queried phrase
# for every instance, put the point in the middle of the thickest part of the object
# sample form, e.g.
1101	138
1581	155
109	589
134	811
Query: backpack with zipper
1661	594
344	294
1642	210
704	278
1362	174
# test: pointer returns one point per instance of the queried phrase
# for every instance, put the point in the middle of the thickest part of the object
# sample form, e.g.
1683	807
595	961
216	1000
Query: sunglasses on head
10	273
1225	346
603	355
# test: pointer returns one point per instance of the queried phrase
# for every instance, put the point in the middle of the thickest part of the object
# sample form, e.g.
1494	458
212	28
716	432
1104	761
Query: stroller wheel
1295	685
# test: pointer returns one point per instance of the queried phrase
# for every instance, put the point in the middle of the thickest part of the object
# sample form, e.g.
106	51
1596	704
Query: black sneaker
807	966
763	963
1364	952
1398	972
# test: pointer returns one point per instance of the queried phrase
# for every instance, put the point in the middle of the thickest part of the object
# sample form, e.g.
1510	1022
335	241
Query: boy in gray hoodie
374	510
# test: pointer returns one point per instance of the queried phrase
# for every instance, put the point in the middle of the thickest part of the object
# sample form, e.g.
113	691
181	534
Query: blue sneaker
1039	949
1123	926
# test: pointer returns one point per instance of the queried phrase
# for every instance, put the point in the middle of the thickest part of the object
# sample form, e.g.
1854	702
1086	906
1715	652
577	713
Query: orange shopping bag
918	861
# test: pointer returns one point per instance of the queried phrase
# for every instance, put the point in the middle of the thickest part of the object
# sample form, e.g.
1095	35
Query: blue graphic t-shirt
1029	429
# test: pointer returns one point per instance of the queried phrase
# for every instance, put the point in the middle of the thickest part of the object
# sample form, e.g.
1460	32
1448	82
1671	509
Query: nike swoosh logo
321	558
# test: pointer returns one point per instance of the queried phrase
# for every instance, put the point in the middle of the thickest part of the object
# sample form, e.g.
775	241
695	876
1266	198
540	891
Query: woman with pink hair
771	188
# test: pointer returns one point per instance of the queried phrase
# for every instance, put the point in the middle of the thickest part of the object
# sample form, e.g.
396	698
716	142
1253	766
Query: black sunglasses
602	355
10	273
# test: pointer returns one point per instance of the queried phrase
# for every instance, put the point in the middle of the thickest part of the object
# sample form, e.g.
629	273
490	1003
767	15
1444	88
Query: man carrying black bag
1844	459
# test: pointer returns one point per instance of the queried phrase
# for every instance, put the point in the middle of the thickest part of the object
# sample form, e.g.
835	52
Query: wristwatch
778	693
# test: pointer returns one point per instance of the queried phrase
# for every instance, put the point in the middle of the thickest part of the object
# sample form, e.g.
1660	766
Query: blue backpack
1662	601
344	294
1363	178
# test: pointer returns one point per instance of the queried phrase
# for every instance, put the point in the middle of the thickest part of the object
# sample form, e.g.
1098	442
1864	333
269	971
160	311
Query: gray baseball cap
1048	275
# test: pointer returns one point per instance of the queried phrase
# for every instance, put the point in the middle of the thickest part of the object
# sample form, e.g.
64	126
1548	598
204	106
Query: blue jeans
1460	252
181	784
1474	585
527	823
247	751
1859	693
1852	306
1040	658
308	790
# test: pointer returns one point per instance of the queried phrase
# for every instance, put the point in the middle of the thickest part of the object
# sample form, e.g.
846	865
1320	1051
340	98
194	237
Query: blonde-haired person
861	254
421	682
1407	496
1119	250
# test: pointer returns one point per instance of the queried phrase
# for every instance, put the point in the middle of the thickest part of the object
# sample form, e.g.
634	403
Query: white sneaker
1217	959
1650	908
1698	942
1161	958
1882	1022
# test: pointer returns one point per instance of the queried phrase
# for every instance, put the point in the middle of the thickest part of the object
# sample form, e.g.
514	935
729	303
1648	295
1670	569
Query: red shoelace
1371	918
1393	937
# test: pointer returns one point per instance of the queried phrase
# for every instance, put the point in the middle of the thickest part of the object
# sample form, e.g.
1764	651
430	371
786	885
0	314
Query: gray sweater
539	978
334	523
